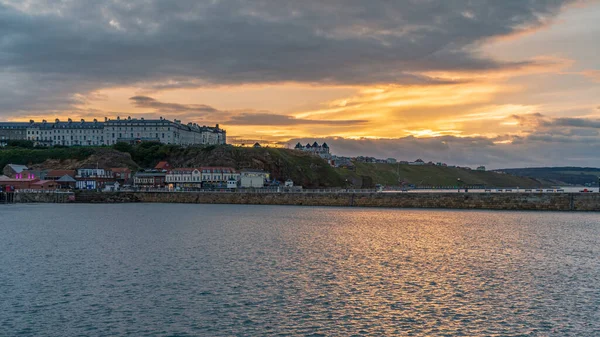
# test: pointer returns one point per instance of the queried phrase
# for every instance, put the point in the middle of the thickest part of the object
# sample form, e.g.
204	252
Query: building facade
253	178
12	131
316	149
198	177
149	179
110	132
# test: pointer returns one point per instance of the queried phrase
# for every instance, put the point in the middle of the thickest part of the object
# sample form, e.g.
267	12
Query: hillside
560	175
304	169
428	175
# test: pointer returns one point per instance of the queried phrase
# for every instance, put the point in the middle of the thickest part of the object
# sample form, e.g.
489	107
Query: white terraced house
112	131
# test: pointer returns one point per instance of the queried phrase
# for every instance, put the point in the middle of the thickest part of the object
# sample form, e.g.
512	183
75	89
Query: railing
250	190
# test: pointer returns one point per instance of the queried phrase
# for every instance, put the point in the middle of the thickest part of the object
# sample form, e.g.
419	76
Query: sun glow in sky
496	83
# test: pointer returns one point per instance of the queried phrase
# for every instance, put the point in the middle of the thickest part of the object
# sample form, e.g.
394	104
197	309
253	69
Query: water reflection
223	270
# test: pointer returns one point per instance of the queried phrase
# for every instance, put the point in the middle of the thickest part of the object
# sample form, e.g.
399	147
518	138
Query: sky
512	83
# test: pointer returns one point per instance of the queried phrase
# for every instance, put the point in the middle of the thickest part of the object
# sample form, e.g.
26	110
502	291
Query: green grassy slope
426	175
560	175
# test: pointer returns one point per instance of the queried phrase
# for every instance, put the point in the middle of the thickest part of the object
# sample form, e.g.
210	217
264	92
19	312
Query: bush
123	147
26	144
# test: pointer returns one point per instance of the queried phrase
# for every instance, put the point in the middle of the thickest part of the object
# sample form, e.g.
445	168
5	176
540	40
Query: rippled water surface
229	270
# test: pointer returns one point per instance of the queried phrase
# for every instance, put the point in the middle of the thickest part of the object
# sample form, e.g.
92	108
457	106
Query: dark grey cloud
206	112
170	108
538	120
282	120
574	122
50	50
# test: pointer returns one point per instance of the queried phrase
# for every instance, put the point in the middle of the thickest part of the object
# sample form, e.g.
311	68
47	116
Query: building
253	178
315	148
201	176
111	131
417	162
67	133
48	185
151	179
58	174
12	131
9	184
14	170
232	183
163	165
92	178
121	174
481	168
67	181
133	130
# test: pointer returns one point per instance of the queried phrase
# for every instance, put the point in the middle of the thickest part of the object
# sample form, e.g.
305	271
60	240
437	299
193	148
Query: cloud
539	120
273	119
232	117
52	50
171	108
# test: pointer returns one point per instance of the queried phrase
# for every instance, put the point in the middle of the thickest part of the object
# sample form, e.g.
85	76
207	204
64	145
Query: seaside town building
199	177
12	131
14	171
150	179
110	132
316	149
253	178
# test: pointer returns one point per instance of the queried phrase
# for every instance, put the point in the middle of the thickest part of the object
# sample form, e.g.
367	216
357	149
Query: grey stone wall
494	201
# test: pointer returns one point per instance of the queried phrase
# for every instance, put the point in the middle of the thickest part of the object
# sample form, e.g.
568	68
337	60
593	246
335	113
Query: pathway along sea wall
493	201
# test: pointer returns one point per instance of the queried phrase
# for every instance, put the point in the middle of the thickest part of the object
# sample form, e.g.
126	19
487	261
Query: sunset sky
508	83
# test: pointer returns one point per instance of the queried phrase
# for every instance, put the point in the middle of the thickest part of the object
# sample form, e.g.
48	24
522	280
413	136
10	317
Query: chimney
44	121
95	120
142	118
118	118
106	119
56	120
128	118
70	120
31	121
217	126
82	121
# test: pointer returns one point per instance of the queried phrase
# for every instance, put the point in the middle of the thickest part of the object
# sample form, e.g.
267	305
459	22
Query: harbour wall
492	201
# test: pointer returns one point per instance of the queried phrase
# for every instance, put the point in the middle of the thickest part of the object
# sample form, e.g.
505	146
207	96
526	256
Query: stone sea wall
494	201
42	197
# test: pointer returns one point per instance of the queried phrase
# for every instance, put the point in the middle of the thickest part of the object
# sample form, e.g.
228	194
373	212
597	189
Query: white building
253	178
112	131
315	148
195	177
133	130
67	133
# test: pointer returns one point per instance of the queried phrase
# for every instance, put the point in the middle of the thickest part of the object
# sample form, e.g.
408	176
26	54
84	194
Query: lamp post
458	181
